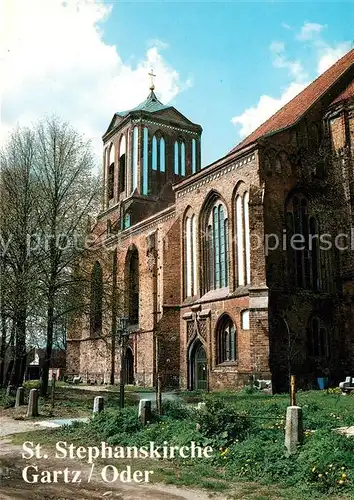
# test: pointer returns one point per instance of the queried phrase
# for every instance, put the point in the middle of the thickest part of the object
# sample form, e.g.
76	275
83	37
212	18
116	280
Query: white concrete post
293	429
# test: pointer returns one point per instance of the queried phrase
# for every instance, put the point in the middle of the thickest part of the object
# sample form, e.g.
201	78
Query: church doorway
129	366
198	367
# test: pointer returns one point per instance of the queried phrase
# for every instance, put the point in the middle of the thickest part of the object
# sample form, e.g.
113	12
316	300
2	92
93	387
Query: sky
225	65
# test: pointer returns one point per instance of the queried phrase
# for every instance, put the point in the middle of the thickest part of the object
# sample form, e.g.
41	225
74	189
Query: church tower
146	150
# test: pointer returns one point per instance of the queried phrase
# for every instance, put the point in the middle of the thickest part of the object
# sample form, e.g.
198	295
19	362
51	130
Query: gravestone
145	411
98	404
33	403
293	429
9	390
20	397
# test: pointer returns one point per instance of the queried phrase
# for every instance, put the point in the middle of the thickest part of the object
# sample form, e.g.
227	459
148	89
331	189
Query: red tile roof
290	113
346	94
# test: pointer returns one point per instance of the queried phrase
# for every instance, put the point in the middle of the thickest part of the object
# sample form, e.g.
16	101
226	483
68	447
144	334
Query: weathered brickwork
257	307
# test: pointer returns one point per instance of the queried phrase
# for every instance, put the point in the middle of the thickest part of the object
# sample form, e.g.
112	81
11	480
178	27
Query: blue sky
223	47
225	65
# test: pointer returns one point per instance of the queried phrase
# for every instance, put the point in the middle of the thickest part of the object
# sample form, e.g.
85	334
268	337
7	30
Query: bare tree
18	220
64	172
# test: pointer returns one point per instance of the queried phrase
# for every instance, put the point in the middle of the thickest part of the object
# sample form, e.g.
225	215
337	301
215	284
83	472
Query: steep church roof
289	114
151	104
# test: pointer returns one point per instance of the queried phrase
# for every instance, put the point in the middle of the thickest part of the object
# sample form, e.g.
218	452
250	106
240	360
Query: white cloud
55	61
329	55
252	117
266	106
280	60
309	30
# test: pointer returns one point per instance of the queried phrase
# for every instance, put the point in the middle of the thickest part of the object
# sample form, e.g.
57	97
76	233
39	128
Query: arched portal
198	367
129	366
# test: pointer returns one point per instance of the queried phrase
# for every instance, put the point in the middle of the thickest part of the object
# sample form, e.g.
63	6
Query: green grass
68	401
251	463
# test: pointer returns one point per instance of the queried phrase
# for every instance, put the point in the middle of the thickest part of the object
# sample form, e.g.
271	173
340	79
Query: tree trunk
3	349
18	368
49	345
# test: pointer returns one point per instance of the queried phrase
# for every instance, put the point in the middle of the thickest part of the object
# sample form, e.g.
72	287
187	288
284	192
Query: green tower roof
151	104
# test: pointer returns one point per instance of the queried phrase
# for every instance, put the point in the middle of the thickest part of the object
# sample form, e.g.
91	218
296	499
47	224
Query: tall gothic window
217	248
247	237
135	158
122	165
145	160
110	180
154	153
162	154
176	157
96	300
302	244
194	156
243	247
133	286
179	150
183	158
226	349
190	250
318	345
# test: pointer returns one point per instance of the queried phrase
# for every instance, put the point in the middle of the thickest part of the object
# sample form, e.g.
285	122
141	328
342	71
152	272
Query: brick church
240	268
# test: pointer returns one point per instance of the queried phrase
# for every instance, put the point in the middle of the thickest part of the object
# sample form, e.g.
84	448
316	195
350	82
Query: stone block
33	403
293	429
145	411
98	404
20	397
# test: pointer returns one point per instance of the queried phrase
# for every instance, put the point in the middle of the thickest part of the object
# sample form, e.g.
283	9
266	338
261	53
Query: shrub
6	401
32	384
326	461
174	432
222	423
176	410
118	422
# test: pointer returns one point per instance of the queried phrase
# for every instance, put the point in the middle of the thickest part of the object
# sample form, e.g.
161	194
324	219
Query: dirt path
14	487
9	426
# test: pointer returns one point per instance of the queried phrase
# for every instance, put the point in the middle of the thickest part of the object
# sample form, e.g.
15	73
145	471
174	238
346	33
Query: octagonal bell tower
146	150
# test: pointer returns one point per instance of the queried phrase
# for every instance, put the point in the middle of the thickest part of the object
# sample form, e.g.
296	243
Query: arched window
110	180
122	165
247	237
179	158
183	159
96	300
135	158
190	238
240	242
303	245
154	153
217	248
243	239
194	156
133	286
318	345
146	160
176	158
111	154
162	154
226	349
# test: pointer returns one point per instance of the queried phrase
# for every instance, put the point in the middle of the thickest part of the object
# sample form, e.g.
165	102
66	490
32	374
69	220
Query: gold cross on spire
151	74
